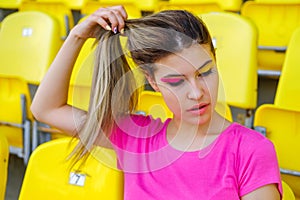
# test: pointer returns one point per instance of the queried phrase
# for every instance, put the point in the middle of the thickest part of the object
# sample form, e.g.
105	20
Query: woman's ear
152	82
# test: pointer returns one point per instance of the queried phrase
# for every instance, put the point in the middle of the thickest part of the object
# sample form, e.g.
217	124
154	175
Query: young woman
195	155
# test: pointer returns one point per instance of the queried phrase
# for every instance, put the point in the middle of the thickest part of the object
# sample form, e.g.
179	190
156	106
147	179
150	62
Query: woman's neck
189	137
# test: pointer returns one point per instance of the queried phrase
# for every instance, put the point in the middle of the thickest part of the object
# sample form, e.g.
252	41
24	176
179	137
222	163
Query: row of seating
228	62
29	42
280	121
275	19
147	5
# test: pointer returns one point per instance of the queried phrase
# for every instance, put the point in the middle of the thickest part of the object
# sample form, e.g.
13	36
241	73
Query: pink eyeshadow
170	80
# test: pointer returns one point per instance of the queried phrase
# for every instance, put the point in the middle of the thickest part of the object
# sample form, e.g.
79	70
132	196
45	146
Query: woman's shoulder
245	137
241	131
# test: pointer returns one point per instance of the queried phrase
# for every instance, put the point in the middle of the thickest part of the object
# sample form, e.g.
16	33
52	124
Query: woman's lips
199	109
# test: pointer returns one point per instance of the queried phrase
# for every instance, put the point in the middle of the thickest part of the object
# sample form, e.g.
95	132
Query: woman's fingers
121	11
120	19
111	18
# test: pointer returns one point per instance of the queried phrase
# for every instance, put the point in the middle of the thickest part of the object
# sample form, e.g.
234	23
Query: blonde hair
148	39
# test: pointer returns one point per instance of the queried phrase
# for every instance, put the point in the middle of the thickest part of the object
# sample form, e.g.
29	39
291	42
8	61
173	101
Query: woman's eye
172	81
206	73
176	83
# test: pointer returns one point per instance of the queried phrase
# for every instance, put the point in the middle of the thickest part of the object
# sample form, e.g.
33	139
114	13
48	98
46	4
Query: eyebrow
176	75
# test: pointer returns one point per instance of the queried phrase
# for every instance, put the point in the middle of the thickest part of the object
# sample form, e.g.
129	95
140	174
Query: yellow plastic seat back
11	107
10	4
288	90
282	129
29	42
15	117
4	157
56	9
235	41
224	110
81	79
281	126
203	6
194	6
288	193
50	176
278	1
152	103
231	5
275	23
281	120
75	4
148	5
131	7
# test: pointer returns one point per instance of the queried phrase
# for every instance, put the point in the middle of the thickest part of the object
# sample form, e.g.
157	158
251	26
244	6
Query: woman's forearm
50	102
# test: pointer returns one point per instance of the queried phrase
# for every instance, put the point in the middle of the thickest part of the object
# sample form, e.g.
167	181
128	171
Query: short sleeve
258	166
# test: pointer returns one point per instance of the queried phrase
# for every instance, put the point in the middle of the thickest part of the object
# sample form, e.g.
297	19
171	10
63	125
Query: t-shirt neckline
204	151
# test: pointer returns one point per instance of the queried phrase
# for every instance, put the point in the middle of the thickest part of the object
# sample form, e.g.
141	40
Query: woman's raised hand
109	18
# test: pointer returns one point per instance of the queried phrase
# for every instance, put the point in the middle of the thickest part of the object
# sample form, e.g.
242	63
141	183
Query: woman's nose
195	90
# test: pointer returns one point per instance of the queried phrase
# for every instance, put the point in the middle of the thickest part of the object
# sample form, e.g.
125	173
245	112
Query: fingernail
115	30
122	31
107	28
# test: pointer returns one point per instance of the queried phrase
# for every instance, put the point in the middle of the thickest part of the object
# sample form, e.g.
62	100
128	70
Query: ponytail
113	93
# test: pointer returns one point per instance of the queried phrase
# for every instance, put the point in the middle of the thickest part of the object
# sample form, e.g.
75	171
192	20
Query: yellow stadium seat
288	91
231	5
56	9
148	5
235	40
194	6
288	193
75	4
131	7
4	157
278	1
81	79
49	175
15	118
224	110
280	121
152	103
198	7
275	22
29	42
10	4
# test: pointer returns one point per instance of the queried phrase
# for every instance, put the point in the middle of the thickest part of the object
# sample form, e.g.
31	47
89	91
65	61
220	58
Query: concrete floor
16	170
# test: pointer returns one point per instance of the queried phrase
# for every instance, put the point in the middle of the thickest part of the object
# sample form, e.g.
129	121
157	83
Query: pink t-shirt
239	161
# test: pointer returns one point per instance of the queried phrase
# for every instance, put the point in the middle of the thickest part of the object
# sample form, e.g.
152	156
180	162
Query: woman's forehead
190	59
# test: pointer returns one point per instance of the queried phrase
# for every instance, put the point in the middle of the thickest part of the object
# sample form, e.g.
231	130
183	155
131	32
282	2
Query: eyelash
208	72
204	74
176	83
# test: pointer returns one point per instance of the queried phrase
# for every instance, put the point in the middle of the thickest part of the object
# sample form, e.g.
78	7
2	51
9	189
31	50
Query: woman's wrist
76	37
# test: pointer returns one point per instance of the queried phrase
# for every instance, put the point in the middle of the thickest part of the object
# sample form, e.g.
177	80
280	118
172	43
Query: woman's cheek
173	102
